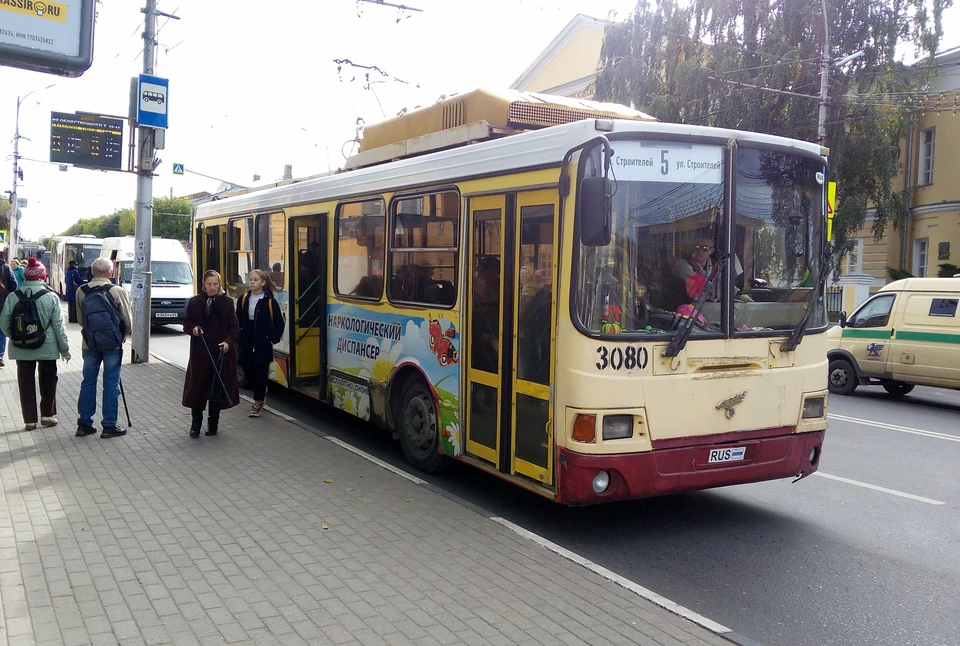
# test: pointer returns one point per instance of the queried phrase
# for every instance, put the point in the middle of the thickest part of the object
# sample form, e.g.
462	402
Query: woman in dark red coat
211	314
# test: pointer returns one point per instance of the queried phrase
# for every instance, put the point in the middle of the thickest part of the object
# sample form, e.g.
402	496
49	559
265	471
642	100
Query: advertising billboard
53	36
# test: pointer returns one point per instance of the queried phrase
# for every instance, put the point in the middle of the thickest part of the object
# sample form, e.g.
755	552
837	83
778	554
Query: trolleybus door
533	325
510	322
484	323
308	297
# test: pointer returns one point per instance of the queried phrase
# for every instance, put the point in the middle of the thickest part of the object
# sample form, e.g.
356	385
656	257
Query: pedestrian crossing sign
3	236
178	169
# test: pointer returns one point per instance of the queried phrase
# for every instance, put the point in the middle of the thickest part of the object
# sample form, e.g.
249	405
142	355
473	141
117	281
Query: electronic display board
86	140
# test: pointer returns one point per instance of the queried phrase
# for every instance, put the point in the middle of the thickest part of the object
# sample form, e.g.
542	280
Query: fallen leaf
324	526
409	499
328	481
349	488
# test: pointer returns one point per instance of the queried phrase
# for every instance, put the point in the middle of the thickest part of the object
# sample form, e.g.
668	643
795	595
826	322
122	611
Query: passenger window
270	241
239	251
875	313
360	244
423	249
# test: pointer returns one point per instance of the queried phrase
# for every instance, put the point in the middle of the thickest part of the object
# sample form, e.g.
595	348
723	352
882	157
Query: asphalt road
864	553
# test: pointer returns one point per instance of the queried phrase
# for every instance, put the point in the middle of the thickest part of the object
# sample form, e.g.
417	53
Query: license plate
165	315
733	454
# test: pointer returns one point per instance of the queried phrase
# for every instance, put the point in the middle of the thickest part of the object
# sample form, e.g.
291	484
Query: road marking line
894	492
647	594
375	460
893	427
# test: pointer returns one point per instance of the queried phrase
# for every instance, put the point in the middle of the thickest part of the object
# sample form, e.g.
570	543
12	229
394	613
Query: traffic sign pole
144	205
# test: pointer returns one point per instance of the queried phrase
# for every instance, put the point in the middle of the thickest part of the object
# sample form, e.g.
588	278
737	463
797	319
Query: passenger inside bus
369	287
486	314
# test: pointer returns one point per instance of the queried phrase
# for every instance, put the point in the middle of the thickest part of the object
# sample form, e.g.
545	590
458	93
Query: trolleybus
570	295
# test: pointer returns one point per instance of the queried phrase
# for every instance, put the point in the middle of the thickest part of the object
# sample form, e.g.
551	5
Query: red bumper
685	468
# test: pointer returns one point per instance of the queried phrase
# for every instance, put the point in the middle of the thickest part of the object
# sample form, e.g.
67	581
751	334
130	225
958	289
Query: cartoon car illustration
441	345
152	96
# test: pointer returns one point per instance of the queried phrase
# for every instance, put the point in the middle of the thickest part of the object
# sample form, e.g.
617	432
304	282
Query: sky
254	86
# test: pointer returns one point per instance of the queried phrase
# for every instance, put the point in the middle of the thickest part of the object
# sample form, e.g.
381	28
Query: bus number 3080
618	358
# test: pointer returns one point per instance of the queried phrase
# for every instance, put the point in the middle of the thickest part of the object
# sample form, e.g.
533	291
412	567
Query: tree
705	63
171	218
4	218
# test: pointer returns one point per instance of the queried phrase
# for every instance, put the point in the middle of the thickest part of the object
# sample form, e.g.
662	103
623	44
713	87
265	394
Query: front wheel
842	377
419	427
898	388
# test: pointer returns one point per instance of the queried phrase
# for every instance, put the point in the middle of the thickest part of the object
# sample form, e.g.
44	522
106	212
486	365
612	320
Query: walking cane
216	371
124	396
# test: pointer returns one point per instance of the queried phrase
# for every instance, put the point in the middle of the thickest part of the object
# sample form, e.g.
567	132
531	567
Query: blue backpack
100	319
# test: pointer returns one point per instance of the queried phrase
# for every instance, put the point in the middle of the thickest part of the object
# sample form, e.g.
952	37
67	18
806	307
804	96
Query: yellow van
905	335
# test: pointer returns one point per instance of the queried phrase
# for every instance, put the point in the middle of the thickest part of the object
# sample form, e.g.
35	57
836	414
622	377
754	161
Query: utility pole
824	78
144	206
14	219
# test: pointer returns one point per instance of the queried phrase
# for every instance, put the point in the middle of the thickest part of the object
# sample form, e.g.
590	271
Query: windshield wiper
679	340
797	336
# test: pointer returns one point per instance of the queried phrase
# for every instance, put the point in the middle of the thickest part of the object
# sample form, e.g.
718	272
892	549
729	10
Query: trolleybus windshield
670	229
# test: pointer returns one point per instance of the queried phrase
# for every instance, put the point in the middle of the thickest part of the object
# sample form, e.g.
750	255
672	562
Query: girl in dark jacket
210	321
261	326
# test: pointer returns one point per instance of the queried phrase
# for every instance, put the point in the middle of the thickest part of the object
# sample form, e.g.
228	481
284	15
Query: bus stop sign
152	101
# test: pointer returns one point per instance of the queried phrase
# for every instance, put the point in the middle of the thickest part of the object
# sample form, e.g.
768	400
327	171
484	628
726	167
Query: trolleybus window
778	233
667	221
270	241
239	250
360	245
423	249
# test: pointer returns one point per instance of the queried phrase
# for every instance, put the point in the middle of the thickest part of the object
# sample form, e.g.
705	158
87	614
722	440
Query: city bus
569	295
83	248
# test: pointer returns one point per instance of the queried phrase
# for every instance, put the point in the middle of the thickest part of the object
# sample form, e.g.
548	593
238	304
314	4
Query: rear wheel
898	388
418	425
842	377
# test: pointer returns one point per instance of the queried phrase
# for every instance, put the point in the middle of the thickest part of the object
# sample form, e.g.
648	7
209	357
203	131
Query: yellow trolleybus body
602	309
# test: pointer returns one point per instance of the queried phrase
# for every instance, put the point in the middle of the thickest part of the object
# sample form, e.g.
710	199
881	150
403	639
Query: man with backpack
105	320
8	285
31	317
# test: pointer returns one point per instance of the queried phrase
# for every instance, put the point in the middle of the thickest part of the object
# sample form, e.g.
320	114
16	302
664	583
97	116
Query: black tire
898	388
418	425
841	377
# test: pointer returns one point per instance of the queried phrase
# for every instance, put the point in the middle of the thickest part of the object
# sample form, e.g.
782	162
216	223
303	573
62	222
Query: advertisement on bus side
369	346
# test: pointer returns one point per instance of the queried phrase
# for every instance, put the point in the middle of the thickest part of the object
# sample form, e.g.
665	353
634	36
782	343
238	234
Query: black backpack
100	320
26	328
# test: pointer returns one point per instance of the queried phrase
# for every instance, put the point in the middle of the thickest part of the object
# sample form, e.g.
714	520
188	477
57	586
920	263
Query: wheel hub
420	421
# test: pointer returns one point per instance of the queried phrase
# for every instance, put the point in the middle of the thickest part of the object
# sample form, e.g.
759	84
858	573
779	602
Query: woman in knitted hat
42	359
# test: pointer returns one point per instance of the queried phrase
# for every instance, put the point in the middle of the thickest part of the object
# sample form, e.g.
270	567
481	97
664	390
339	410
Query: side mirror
595	211
843	319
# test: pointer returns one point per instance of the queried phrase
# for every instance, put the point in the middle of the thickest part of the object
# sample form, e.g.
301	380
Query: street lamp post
14	224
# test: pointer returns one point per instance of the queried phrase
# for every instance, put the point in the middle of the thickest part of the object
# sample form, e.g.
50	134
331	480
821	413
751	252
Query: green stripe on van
933	337
854	333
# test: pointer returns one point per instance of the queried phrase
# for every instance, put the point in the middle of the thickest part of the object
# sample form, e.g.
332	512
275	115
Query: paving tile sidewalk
266	534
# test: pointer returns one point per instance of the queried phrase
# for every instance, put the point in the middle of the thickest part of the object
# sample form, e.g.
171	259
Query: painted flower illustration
452	432
380	369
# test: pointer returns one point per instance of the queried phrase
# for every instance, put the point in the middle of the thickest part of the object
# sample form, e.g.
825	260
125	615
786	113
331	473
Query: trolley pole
144	208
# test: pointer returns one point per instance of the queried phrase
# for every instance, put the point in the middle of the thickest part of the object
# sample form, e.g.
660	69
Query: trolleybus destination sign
86	140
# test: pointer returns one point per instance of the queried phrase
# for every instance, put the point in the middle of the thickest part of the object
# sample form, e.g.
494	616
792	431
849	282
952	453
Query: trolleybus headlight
601	481
585	428
617	427
813	408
